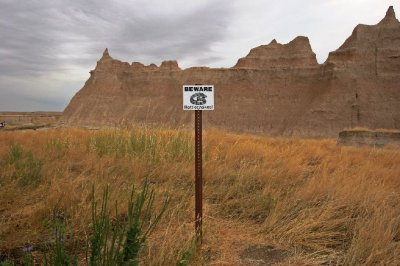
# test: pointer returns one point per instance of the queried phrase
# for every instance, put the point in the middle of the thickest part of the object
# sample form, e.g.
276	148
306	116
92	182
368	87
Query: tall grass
120	243
14	153
58	254
149	144
324	203
26	168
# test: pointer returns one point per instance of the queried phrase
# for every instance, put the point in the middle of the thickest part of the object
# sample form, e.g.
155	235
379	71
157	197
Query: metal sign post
198	172
198	98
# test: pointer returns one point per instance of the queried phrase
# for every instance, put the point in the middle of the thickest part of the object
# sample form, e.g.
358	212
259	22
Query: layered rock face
361	81
277	89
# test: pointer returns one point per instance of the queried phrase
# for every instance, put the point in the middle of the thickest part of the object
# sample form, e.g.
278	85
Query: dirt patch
263	255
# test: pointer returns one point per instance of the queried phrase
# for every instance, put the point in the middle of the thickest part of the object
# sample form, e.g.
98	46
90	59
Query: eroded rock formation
296	54
277	89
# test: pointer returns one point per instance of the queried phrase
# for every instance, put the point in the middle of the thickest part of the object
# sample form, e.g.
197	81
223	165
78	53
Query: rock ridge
277	89
295	54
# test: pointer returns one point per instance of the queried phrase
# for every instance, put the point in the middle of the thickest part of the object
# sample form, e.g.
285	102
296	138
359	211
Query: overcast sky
48	47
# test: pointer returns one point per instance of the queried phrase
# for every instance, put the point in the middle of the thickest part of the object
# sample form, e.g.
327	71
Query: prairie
319	202
29	120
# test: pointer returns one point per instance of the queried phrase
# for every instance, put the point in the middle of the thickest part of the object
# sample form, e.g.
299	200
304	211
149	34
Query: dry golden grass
321	202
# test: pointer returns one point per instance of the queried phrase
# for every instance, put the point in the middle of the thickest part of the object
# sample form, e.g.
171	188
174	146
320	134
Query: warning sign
198	97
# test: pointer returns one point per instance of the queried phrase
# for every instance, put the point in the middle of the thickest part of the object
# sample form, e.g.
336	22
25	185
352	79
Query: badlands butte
277	89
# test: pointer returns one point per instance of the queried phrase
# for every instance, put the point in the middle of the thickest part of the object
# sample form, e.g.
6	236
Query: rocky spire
106	55
273	42
390	17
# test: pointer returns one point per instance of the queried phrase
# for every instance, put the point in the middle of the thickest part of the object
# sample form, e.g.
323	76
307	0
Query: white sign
198	97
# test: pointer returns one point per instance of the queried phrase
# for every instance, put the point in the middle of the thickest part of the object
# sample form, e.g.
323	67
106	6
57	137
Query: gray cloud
40	36
48	46
172	36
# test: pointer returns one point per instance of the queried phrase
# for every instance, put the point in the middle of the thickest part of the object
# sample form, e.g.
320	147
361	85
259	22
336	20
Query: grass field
318	202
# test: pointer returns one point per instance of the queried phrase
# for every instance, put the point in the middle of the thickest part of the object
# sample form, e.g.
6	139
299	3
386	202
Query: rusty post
198	174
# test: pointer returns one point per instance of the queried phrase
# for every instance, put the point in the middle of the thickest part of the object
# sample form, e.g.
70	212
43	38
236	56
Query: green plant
180	146
143	144
28	260
29	171
187	255
26	167
6	263
59	255
57	145
116	242
107	143
14	153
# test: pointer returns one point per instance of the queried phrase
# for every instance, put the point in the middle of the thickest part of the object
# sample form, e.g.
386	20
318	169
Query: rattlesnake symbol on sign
198	99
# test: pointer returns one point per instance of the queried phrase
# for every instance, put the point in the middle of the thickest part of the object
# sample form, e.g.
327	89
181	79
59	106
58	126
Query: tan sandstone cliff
277	89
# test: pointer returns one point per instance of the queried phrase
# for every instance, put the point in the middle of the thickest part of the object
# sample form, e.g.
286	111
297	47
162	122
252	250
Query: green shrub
6	263
119	242
188	254
181	146
59	256
29	171
14	153
57	145
26	168
143	144
112	241
28	260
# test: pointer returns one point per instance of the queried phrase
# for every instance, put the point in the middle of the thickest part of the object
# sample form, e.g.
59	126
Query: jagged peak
273	42
296	42
106	55
389	18
300	40
137	64
359	31
296	53
152	66
170	64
